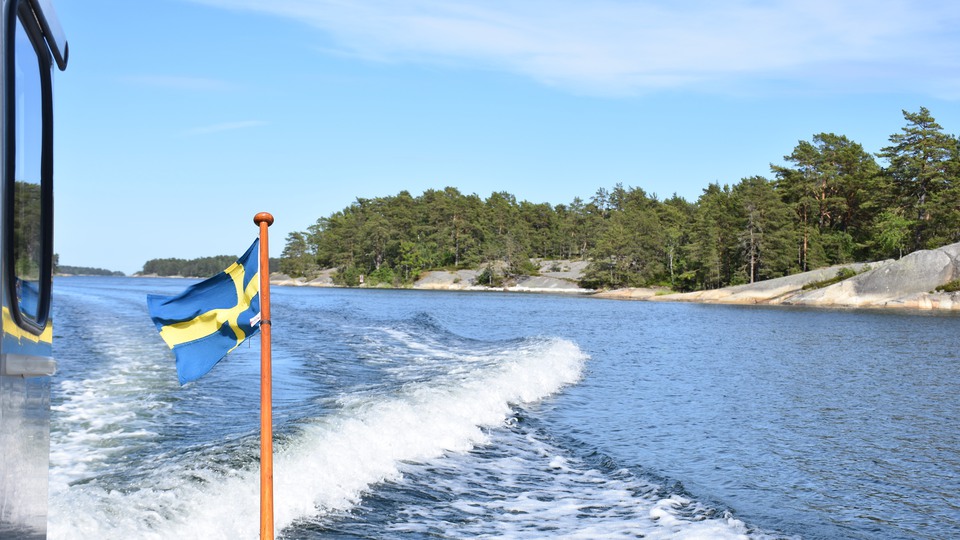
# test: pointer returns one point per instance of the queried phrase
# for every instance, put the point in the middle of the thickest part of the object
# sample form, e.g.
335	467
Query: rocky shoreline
907	283
555	277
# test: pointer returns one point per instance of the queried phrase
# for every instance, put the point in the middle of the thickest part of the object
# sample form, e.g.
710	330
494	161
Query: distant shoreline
909	283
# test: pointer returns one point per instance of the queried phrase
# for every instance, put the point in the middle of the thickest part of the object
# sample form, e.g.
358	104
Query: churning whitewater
324	465
386	427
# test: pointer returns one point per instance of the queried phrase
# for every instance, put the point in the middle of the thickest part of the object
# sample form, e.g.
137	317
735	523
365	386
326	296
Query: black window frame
21	12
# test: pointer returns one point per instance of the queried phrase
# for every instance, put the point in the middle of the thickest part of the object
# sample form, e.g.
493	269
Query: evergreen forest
85	271
199	267
833	202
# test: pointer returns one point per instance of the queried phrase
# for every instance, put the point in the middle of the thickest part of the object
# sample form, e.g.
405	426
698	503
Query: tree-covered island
833	203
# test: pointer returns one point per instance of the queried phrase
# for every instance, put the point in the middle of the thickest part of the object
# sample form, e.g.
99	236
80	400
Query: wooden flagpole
264	220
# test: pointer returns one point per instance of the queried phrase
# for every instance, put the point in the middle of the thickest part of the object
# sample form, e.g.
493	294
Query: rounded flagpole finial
263	217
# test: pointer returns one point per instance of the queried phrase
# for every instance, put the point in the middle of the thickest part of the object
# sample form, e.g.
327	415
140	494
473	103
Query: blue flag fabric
208	320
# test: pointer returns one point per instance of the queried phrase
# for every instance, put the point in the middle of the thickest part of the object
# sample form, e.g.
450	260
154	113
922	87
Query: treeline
85	271
201	267
833	203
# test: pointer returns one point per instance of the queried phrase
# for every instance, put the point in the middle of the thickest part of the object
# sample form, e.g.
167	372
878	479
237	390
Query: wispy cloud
226	126
175	82
628	47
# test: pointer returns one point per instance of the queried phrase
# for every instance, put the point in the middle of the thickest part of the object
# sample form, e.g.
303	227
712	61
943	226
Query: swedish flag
208	320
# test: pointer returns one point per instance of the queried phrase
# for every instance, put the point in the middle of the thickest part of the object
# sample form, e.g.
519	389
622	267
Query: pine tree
765	229
919	161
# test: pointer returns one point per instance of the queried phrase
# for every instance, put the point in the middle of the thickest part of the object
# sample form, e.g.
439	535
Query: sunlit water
406	414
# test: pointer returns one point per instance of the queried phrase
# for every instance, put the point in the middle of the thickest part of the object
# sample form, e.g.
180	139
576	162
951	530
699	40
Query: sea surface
418	414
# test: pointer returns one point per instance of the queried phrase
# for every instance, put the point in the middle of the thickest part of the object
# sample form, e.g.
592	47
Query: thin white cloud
226	126
622	46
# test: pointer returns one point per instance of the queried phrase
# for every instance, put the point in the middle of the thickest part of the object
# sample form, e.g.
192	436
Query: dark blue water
452	415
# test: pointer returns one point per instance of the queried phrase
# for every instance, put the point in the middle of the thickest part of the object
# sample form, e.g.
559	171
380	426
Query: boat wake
324	465
386	429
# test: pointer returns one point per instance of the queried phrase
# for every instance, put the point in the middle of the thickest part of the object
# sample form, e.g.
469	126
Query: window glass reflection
27	218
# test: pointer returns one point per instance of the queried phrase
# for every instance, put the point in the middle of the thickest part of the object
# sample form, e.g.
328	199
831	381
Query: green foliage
891	232
766	239
86	271
830	204
488	277
833	190
383	275
27	230
523	267
922	166
202	267
348	276
842	274
630	248
952	286
298	258
712	250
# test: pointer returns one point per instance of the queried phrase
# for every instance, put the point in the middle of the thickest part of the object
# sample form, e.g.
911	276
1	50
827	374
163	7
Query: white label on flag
255	320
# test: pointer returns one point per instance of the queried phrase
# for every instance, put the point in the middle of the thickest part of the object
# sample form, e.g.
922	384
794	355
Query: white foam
330	463
532	491
109	412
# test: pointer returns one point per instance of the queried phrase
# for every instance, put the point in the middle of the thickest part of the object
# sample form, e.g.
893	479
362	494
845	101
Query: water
409	414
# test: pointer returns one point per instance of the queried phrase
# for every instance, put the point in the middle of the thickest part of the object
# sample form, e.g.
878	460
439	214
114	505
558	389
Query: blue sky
178	120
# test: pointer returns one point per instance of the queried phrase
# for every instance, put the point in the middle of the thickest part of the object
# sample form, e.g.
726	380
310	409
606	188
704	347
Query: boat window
31	202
